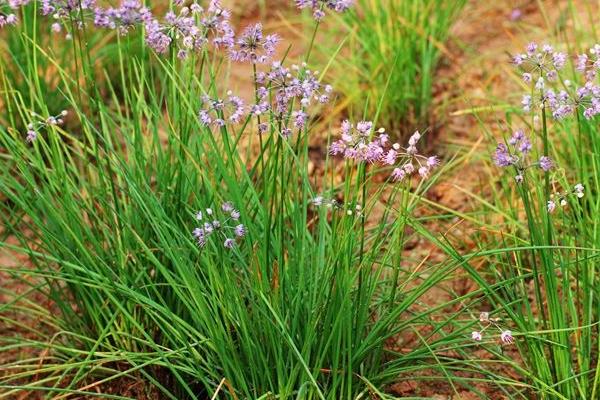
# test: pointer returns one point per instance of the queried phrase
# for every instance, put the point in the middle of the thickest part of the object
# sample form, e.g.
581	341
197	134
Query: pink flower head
507	337
398	174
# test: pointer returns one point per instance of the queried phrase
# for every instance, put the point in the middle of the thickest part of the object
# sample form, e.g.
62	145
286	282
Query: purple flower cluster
65	11
516	154
8	19
190	29
545	163
506	336
318	6
8	11
285	93
223	223
253	46
233	105
408	161
542	68
587	96
356	144
33	128
185	28
63	8
541	62
589	63
130	14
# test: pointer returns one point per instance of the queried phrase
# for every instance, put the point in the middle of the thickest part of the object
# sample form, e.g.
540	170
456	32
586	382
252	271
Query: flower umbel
516	153
356	143
562	199
288	92
190	29
541	67
253	46
487	322
33	128
215	110
221	224
408	160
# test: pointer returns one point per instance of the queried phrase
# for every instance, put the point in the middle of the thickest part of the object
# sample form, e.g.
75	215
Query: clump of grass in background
175	254
391	52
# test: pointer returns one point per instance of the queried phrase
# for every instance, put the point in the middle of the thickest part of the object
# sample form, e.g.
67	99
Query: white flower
412	141
540	84
506	337
519	178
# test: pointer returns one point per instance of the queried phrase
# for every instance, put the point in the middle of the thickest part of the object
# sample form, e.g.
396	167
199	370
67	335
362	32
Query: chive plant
541	284
172	252
561	264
